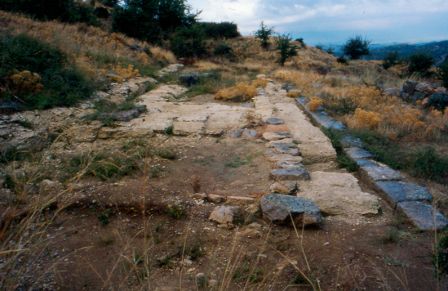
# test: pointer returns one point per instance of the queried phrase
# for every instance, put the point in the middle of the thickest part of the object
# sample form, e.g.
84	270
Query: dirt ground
109	244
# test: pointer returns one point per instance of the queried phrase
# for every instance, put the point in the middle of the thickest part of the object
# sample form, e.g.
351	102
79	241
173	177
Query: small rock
270	136
226	215
200	196
280	209
285	187
392	92
212	283
249	133
49	187
275	121
297	173
213	198
424	88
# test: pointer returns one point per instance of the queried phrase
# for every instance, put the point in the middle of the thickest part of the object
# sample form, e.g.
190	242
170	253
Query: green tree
420	63
188	42
151	20
285	48
391	60
263	34
356	47
443	73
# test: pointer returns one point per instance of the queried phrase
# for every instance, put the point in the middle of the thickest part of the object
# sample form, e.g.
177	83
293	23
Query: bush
390	60
62	10
420	63
151	20
439	101
263	34
441	256
286	48
223	50
443	73
342	60
356	47
220	30
40	74
428	164
188	42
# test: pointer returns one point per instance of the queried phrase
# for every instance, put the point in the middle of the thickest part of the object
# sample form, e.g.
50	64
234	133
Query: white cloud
321	15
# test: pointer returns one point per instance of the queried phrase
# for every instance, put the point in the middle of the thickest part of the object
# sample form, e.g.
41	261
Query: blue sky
333	21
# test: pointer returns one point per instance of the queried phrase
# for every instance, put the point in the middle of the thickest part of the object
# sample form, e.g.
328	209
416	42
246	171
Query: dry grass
94	50
241	92
315	103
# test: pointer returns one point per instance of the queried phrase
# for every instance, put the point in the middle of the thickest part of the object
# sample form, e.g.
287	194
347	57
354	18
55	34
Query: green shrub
420	63
224	50
441	256
263	34
390	60
151	20
188	42
220	30
342	60
443	73
439	101
62	10
63	84
356	47
285	48
429	164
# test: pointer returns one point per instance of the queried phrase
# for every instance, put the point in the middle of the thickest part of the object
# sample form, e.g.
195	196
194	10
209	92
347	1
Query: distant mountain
439	50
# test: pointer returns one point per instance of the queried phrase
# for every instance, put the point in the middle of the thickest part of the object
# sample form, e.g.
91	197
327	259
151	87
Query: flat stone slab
398	191
296	173
321	117
349	141
186	128
275	157
274	121
378	171
285	164
272	136
339	194
280	209
356	153
423	215
287	148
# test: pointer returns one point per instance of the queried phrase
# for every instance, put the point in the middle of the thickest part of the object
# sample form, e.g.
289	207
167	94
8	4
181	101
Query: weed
166	154
245	273
196	184
104	217
175	211
392	235
440	259
237	162
169	130
343	160
106	240
429	164
155	171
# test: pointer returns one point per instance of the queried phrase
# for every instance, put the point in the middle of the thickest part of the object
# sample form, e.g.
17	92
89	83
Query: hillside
438	50
222	169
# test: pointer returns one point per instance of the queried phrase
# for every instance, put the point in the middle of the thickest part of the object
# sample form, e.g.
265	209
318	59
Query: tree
188	42
356	47
286	48
151	20
391	60
420	63
443	73
263	34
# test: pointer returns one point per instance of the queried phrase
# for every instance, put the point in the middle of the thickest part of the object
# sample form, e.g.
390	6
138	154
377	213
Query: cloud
351	16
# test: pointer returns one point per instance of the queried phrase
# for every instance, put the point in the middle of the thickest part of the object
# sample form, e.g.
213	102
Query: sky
329	22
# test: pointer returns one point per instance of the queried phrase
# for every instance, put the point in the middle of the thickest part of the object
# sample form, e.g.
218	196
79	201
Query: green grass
343	160
63	84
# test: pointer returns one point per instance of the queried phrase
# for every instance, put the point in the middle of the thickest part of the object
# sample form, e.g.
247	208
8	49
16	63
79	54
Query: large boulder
339	194
279	209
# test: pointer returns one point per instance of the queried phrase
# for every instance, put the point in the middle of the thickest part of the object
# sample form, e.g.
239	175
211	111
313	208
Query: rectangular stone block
377	171
356	153
423	215
398	191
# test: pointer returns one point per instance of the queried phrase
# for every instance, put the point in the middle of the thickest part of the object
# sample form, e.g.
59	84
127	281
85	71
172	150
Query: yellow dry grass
94	50
315	103
243	91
